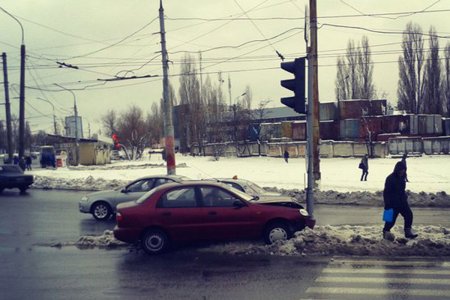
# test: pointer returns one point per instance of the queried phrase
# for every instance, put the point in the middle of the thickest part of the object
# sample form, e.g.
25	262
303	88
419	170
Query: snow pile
323	241
106	240
81	184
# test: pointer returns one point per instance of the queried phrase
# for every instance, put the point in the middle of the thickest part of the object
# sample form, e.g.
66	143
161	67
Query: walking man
364	165
395	197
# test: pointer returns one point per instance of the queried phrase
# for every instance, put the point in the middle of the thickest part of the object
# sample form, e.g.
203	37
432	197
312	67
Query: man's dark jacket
394	189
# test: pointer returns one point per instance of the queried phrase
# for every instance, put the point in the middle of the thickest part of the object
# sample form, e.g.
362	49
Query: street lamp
77	150
54	117
22	88
234	108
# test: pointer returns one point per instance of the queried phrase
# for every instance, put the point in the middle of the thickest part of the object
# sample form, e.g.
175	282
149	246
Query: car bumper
84	207
127	235
310	223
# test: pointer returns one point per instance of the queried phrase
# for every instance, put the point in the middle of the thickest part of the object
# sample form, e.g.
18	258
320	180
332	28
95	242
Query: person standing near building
286	155
395	198
364	166
28	161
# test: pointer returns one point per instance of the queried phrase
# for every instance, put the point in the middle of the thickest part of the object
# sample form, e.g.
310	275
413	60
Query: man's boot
387	235
410	234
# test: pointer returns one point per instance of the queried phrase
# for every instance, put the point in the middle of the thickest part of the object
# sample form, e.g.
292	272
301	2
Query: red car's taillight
119	217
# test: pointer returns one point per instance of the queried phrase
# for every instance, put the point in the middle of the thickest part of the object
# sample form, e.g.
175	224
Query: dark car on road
203	211
102	205
12	176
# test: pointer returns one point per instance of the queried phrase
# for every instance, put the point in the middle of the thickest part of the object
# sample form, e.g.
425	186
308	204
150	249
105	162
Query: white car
102	205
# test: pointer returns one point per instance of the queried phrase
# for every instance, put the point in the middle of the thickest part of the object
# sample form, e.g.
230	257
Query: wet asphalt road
31	269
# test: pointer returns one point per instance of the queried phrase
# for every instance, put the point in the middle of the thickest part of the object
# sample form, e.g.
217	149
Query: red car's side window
216	197
177	198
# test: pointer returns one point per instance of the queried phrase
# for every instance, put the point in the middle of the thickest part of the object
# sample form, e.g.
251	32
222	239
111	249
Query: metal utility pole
54	116
22	102
75	110
168	124
7	108
22	89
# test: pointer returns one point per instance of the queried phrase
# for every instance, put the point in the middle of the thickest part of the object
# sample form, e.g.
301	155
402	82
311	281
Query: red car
199	210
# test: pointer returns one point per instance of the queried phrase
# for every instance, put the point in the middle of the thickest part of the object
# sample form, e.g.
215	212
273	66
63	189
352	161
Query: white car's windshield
145	196
256	188
243	195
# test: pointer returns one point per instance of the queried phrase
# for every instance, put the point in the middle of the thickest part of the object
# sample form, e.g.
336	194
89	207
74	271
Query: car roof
192	183
242	181
174	177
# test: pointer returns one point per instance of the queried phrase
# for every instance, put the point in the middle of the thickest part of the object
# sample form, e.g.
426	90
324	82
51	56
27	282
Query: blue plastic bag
388	215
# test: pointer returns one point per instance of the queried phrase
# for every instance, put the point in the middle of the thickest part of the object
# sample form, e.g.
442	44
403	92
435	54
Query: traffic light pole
315	91
168	124
312	123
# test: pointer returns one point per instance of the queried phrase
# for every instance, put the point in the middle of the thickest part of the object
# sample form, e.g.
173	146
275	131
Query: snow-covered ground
429	182
340	176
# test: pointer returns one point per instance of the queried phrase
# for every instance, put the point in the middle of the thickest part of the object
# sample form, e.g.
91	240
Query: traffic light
297	85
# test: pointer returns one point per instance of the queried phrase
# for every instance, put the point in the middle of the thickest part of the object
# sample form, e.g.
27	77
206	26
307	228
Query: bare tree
132	131
341	83
365	70
154	124
446	79
433	91
354	78
411	87
215	111
189	92
109	121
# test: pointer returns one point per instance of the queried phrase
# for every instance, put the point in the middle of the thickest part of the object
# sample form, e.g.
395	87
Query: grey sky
67	31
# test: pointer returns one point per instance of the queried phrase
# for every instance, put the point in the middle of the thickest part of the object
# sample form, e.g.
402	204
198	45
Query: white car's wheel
101	211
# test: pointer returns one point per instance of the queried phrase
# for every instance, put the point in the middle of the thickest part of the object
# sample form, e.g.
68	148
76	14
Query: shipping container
372	124
286	129
355	109
329	130
396	123
328	111
349	129
430	124
270	131
422	124
437	125
413	125
299	130
446	126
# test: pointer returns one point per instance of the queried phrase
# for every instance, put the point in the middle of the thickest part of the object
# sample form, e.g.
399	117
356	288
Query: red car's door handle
166	214
212	213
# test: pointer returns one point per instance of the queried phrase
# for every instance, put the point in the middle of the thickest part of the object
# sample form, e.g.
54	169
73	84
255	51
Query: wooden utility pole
7	108
312	58
168	124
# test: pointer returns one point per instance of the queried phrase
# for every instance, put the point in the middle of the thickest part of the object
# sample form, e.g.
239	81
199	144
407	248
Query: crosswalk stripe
385	271
378	291
412	263
382	280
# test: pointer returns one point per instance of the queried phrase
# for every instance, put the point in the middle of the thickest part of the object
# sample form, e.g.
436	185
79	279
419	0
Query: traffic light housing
297	85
